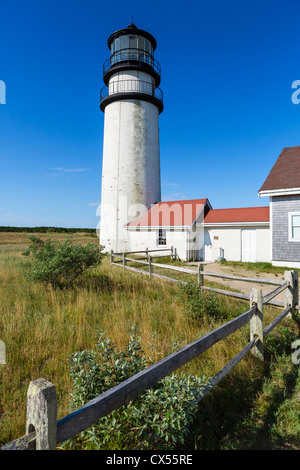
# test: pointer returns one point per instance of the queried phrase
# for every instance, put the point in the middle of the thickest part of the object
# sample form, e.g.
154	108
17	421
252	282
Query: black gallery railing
129	55
131	86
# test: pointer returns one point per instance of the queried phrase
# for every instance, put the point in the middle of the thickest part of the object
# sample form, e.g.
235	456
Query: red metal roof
170	214
243	214
285	173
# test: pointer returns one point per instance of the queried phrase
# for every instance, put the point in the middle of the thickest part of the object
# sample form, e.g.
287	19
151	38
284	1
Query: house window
294	227
162	237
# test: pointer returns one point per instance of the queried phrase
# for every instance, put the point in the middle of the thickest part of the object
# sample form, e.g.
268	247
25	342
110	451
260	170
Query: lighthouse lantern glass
131	47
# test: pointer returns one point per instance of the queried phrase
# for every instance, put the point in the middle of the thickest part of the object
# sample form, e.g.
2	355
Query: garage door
249	246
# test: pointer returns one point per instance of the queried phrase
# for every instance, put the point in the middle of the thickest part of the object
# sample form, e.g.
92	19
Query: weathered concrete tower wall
131	168
131	161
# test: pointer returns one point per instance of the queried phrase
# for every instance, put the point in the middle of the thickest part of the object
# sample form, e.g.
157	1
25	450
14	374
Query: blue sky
227	74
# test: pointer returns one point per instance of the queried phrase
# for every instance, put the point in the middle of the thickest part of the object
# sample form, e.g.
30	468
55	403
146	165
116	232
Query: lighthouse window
148	47
141	43
133	42
162	237
125	42
117	44
133	48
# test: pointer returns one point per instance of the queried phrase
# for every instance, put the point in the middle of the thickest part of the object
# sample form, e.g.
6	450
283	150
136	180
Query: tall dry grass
42	327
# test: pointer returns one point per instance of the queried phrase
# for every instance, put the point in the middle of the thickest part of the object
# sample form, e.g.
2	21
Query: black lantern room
131	49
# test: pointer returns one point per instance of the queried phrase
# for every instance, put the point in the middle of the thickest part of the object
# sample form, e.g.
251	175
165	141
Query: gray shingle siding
282	249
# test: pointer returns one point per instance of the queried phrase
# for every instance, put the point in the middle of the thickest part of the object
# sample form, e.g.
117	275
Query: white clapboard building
199	232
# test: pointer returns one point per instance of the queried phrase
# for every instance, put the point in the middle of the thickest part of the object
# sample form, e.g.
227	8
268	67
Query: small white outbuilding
240	234
198	232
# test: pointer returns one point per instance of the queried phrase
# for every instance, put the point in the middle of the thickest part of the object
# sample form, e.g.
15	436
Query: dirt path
241	286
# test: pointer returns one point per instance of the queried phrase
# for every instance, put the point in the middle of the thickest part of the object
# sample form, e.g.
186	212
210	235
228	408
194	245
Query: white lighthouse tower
132	102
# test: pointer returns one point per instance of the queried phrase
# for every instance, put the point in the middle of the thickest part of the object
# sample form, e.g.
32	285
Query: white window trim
291	239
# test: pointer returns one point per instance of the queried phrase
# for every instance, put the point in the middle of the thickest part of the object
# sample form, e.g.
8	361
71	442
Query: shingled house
283	187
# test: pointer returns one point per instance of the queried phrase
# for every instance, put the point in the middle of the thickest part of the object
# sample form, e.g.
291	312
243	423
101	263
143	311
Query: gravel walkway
242	286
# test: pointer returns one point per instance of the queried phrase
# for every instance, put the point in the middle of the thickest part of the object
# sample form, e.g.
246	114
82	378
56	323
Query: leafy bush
157	419
60	263
198	303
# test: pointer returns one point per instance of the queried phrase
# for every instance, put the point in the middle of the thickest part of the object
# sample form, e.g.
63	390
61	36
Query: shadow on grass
104	283
242	411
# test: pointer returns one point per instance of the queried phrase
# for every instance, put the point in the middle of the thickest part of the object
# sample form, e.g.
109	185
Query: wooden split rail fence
44	432
123	259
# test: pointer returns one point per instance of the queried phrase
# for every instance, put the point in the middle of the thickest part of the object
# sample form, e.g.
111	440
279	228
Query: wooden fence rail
245	279
273	294
43	431
124	256
124	259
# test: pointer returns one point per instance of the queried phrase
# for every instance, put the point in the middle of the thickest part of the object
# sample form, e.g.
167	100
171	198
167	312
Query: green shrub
158	419
198	303
59	263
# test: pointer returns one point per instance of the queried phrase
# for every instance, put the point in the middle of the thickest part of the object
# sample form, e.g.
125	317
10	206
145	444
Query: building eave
236	224
199	213
201	224
279	192
154	227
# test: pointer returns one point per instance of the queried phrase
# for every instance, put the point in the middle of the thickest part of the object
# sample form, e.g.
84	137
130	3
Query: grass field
255	406
18	241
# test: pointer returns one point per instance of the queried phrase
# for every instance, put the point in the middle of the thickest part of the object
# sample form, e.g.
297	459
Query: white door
207	246
249	246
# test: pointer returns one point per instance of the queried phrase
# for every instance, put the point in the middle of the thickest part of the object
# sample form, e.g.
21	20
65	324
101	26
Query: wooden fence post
147	254
256	323
150	266
200	275
42	413
172	252
124	261
291	294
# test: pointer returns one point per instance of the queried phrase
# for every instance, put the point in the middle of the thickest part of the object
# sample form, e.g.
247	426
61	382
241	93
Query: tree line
47	230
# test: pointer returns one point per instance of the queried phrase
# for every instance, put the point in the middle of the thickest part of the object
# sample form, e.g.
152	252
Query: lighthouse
132	102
